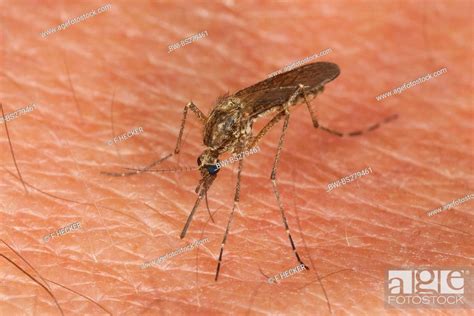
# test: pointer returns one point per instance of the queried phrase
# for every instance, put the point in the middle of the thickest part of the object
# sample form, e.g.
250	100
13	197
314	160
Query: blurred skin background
112	73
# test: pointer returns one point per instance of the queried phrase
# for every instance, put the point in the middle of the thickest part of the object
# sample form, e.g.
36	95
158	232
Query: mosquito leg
265	129
341	134
231	216
136	171
278	117
273	177
360	132
202	118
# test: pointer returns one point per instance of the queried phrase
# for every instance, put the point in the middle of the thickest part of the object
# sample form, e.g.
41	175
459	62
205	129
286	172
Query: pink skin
420	162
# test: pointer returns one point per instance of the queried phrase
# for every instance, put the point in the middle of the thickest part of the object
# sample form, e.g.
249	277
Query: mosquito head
208	163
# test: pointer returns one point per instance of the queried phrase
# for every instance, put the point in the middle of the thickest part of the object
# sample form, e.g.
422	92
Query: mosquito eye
212	169
199	161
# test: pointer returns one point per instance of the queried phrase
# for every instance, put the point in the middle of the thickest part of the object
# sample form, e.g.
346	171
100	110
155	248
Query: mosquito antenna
165	170
137	171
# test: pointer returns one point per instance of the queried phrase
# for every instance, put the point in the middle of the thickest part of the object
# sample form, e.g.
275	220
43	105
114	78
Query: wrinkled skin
420	162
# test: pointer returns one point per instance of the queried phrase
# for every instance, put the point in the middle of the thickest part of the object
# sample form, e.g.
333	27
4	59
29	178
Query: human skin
348	237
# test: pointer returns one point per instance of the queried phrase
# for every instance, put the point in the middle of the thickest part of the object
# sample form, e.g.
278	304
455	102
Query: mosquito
228	128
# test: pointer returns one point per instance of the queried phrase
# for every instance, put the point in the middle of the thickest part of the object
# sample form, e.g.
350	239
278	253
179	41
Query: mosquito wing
275	91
